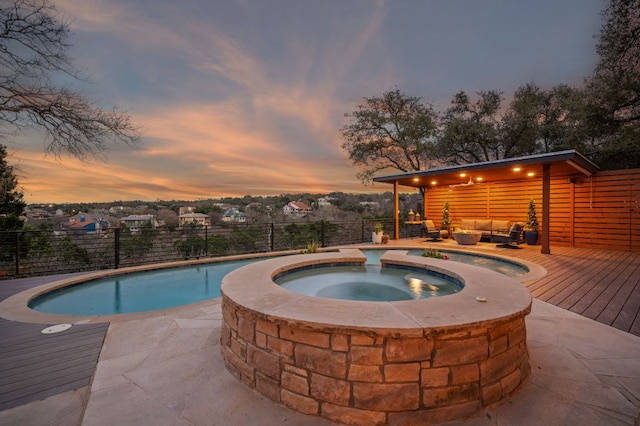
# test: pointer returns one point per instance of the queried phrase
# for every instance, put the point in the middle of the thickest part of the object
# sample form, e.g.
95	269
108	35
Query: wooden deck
603	285
33	365
600	284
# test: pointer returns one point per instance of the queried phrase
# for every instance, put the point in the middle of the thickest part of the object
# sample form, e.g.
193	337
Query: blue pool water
505	267
140	291
167	288
369	283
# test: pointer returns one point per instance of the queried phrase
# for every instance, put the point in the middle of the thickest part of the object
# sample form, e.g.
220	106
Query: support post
546	197
396	211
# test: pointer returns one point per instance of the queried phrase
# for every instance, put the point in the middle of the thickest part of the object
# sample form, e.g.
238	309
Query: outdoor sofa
488	227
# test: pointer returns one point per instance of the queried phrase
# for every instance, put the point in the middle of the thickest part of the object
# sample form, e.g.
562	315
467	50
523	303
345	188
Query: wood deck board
557	279
582	293
52	341
41	391
40	366
33	365
609	295
561	268
597	283
629	316
570	281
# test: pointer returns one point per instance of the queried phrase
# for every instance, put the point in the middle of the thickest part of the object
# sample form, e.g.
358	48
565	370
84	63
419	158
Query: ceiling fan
471	182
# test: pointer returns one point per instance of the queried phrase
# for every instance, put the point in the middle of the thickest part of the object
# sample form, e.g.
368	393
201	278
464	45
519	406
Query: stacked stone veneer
365	377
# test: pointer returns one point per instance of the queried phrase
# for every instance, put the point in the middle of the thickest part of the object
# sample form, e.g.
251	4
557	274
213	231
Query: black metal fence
38	252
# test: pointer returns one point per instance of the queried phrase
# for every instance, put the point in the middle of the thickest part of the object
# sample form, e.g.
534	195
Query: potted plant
446	219
376	236
531	227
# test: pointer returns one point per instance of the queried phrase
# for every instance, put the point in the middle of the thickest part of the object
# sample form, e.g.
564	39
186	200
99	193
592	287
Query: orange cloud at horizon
193	152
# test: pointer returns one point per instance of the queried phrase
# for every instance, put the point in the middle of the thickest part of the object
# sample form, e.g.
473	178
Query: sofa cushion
467	224
483	225
501	225
429	224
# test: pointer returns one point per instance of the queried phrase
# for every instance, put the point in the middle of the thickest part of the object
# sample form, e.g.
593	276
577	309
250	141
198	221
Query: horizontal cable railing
28	253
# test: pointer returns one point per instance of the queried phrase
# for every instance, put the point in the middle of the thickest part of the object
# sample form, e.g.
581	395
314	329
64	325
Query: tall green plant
446	219
532	218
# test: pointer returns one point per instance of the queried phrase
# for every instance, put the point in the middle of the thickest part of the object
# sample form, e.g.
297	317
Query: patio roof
563	163
569	163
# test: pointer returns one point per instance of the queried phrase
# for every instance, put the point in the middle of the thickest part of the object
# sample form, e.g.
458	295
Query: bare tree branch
33	50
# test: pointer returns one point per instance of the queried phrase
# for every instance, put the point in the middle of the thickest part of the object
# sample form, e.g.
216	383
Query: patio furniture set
471	231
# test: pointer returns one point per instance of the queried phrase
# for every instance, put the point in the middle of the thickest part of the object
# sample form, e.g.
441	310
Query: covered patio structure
519	172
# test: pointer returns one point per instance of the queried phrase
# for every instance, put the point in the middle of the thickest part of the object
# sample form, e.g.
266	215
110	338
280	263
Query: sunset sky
247	97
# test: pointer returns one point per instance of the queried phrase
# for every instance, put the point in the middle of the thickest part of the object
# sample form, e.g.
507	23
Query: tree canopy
35	85
613	90
394	130
471	130
11	201
601	118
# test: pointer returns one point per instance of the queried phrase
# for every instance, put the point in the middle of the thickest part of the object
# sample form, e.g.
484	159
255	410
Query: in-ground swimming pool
510	269
139	291
171	287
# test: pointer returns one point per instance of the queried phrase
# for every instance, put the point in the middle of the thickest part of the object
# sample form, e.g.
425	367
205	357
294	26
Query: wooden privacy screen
601	211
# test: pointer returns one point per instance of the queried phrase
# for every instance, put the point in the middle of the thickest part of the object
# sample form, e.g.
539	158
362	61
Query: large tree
540	120
613	90
472	129
35	84
11	202
393	131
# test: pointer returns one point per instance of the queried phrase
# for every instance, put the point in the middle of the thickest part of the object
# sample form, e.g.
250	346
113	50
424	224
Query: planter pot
376	237
531	237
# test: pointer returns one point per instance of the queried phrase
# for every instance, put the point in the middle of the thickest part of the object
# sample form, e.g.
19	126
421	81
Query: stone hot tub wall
363	370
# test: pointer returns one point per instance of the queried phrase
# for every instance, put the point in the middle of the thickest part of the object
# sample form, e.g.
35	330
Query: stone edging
422	361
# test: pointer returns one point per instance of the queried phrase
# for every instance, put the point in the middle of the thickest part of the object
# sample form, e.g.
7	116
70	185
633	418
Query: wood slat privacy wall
601	211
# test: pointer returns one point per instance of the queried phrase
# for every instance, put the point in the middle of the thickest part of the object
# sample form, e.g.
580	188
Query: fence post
362	231
271	237
322	233
17	252
117	248
206	241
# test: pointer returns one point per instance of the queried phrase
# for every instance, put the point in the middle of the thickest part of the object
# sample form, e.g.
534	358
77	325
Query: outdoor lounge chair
510	240
429	230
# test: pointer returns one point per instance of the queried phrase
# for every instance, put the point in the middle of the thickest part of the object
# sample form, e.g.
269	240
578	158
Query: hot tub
373	363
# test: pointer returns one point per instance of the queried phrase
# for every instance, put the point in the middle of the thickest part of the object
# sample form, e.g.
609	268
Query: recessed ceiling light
463	174
433	182
478	179
516	169
531	174
416	179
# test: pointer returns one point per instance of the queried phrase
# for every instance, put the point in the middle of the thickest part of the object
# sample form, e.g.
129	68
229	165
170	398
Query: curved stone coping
535	271
16	307
252	287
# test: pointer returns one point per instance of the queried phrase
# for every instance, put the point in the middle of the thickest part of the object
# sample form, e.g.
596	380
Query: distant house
135	222
325	201
38	214
116	209
234	215
296	208
86	223
199	219
185	210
